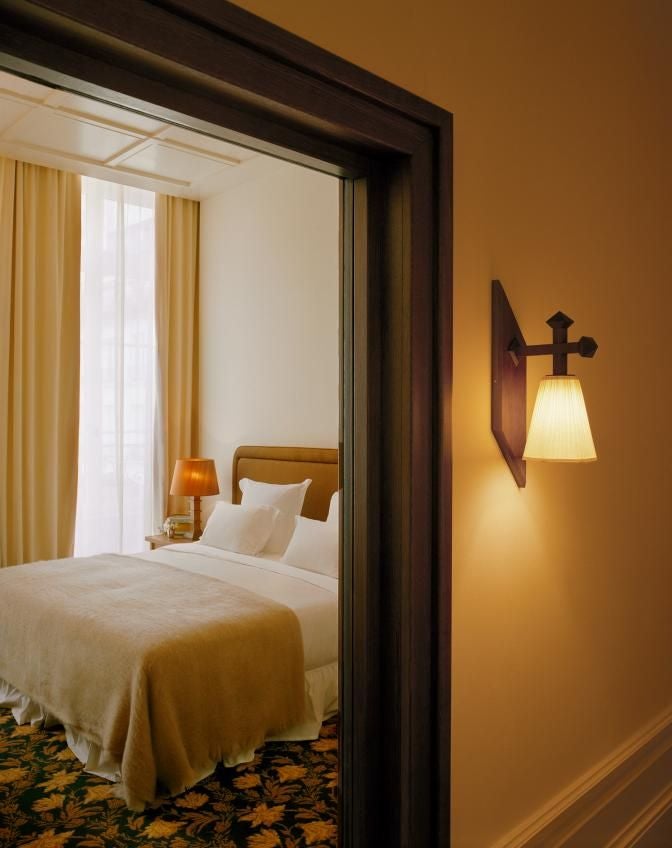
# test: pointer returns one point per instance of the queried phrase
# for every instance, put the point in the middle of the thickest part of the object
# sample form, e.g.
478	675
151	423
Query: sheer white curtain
116	490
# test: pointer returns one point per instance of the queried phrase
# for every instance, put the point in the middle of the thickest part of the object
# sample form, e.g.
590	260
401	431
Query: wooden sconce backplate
509	385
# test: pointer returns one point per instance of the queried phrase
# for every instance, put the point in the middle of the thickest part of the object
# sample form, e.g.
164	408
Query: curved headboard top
290	465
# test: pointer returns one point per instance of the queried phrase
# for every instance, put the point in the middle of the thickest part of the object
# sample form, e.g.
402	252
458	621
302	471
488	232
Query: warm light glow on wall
559	430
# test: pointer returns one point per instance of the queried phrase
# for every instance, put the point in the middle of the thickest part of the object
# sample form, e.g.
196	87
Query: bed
163	664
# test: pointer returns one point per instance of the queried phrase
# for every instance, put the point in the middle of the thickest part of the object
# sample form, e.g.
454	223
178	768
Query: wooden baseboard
659	831
613	805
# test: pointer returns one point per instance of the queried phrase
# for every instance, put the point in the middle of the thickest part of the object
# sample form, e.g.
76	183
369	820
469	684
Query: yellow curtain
39	361
177	234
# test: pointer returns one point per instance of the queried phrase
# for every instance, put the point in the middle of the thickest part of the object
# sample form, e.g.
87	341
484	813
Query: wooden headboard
290	465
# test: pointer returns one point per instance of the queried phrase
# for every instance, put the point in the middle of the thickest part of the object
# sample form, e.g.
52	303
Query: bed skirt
321	688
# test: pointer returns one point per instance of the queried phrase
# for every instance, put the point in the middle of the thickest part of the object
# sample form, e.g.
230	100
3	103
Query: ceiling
51	127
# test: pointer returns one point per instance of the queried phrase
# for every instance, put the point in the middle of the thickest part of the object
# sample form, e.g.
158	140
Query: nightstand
162	539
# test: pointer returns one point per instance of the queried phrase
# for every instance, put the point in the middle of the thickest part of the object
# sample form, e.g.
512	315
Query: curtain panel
177	268
115	501
39	360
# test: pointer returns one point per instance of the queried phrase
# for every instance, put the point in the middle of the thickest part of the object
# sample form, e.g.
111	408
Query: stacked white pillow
268	521
314	546
334	507
286	498
243	529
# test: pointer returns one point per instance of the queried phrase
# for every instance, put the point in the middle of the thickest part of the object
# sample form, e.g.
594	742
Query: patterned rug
286	797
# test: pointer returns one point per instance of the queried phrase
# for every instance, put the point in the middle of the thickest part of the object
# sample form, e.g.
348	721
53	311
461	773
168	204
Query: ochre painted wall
563	189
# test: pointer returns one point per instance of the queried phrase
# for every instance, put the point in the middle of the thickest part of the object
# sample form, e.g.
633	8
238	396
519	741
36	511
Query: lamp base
197	531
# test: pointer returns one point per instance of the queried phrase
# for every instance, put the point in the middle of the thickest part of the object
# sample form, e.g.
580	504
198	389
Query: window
118	361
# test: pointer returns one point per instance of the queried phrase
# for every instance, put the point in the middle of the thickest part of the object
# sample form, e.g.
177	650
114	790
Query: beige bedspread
168	671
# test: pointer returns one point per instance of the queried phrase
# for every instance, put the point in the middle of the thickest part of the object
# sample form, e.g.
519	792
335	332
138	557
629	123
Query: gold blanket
167	671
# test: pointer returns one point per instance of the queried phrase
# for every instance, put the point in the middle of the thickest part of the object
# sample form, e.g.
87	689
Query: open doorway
208	319
216	67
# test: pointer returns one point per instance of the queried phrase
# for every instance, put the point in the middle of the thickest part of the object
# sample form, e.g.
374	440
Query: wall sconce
559	428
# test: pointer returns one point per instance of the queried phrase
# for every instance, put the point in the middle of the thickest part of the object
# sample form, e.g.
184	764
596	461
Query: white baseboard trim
611	806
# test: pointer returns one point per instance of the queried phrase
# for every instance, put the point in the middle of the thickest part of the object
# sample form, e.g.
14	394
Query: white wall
269	307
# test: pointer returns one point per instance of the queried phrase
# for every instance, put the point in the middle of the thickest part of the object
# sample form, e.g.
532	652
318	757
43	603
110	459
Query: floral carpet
285	798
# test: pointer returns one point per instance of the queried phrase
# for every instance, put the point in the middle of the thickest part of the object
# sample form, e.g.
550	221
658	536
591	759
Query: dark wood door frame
213	67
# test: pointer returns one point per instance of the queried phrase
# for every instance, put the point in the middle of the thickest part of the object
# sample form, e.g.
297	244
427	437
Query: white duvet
313	598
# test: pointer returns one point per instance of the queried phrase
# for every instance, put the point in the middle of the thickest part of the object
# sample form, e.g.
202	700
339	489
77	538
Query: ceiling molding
60	129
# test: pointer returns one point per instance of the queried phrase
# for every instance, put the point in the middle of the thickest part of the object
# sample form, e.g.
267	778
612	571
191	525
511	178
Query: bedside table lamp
195	478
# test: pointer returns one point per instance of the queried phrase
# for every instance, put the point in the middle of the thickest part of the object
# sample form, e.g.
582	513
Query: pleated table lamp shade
559	429
194	477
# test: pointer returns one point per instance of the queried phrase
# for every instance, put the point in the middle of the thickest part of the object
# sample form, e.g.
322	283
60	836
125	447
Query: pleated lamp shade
559	429
194	478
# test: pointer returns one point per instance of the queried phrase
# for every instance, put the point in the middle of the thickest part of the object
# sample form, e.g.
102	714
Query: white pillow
287	498
314	546
334	507
243	529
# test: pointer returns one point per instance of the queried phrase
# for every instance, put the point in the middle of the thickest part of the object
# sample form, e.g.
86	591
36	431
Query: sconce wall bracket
585	346
509	383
